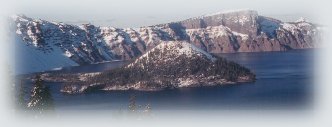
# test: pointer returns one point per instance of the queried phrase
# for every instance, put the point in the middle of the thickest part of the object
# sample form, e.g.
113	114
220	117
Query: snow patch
175	49
289	27
301	19
243	36
85	76
212	32
68	54
186	82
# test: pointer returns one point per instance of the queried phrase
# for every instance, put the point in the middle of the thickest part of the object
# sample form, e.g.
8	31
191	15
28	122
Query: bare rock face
245	31
223	32
238	21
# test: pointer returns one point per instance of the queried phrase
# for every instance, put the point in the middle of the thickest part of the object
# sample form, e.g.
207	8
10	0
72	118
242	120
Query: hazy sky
135	13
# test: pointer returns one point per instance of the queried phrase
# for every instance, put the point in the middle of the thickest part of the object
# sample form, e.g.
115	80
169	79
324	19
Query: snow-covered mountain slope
46	45
31	59
166	52
84	44
244	31
222	32
170	64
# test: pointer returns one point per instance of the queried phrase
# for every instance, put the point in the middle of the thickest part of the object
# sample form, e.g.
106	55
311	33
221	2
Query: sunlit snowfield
284	81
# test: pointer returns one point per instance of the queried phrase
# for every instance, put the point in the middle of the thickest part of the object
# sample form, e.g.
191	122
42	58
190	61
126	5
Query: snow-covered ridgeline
216	31
222	32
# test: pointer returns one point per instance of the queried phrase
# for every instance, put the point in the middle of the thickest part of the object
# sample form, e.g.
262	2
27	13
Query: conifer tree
132	103
41	98
20	96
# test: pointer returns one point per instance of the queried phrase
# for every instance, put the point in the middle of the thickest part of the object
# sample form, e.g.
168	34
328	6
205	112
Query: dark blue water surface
284	80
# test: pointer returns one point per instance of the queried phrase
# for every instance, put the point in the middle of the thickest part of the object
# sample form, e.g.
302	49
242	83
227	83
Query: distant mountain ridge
223	32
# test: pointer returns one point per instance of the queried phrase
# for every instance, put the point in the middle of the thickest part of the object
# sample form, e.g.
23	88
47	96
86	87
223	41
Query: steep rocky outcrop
223	32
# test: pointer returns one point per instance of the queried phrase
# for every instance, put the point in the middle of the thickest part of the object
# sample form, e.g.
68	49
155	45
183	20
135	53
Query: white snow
186	82
19	17
243	36
303	24
18	31
184	48
301	19
218	31
83	77
212	32
58	68
289	27
215	31
151	35
175	48
120	39
68	54
243	19
110	36
135	39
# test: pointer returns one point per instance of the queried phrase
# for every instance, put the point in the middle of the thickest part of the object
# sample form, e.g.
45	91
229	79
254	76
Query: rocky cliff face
245	31
224	32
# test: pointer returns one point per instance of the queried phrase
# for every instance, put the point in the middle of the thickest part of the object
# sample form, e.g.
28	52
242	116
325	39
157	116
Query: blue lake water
284	81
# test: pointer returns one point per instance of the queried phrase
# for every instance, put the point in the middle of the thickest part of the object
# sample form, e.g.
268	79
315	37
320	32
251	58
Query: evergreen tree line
40	98
156	72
